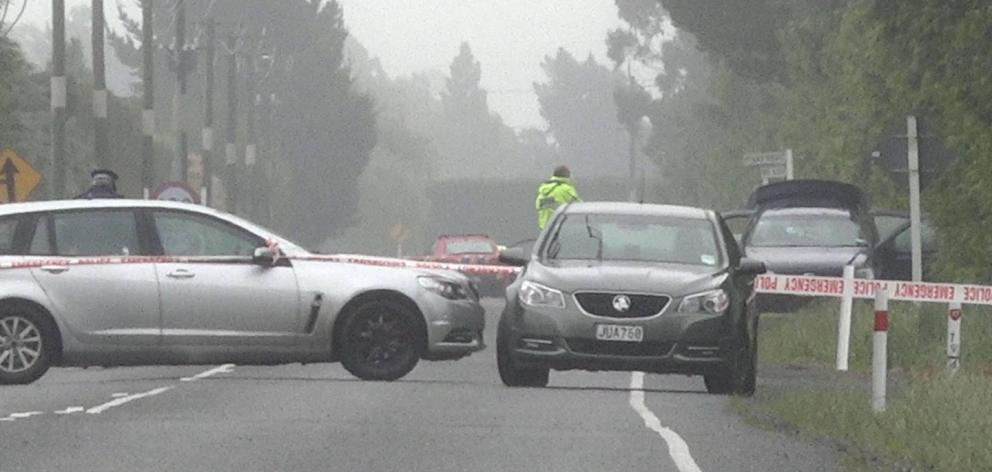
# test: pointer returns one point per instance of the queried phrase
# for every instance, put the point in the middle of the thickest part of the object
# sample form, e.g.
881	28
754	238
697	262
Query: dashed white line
677	447
70	410
119	394
130	398
226	368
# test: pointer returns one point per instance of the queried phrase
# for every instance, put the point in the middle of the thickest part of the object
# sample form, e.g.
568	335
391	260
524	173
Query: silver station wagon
138	282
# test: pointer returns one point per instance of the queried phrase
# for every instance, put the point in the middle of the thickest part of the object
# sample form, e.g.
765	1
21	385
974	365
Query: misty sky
509	38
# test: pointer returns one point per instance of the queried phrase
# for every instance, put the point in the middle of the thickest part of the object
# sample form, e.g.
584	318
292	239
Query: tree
324	130
577	102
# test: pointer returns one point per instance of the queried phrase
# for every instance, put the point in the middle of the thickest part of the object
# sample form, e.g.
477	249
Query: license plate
627	333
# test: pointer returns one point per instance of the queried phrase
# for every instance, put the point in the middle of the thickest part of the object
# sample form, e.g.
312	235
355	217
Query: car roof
638	209
87	204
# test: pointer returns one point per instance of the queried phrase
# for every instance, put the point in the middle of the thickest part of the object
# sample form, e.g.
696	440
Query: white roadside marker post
879	361
844	322
954	337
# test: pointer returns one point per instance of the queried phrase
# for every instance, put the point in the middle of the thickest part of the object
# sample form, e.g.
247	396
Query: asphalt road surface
445	416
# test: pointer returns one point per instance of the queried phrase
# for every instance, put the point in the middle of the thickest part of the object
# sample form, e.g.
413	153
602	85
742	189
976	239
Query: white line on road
18	416
71	410
677	447
119	395
130	398
226	368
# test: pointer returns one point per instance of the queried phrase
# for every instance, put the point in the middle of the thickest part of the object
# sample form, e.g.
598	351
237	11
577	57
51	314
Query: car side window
187	234
928	238
8	228
96	233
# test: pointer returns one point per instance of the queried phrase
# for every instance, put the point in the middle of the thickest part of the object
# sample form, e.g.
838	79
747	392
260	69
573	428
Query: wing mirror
514	256
265	256
752	267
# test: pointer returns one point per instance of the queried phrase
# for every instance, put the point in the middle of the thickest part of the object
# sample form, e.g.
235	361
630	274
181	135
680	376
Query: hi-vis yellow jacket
550	195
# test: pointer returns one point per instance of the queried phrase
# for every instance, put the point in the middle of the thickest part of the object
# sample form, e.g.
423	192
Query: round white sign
176	192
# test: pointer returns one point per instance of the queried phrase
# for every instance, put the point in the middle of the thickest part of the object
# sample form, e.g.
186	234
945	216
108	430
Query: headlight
715	302
534	294
444	287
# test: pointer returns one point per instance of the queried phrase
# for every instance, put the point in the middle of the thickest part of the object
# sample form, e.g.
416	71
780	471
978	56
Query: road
447	416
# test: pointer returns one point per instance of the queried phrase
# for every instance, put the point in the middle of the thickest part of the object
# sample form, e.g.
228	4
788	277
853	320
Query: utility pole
180	63
148	113
250	197
231	180
59	164
101	146
208	113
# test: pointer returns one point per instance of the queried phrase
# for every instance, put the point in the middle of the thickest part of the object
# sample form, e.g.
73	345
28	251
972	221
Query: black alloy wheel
379	341
25	344
512	374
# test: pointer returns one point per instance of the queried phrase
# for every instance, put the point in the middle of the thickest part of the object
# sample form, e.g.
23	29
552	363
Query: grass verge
934	421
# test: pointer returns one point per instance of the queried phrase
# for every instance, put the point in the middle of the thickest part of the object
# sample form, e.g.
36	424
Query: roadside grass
935	420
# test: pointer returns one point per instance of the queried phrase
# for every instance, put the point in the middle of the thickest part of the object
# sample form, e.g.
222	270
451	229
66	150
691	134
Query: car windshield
805	230
469	246
634	238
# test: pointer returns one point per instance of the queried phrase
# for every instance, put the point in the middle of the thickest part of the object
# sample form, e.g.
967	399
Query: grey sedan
132	282
623	286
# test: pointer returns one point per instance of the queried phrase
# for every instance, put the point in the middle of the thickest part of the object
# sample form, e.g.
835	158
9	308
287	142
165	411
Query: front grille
641	306
618	348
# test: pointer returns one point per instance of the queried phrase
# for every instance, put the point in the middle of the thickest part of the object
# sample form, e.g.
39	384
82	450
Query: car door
101	303
222	303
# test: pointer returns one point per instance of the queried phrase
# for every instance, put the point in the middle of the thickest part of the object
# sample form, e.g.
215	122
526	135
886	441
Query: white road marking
677	447
71	410
119	394
17	416
130	398
226	368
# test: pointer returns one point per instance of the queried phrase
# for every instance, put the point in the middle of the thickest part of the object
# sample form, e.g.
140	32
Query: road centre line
678	449
120	398
130	398
226	368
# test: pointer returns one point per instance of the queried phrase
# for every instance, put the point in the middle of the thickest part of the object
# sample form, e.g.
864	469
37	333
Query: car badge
621	303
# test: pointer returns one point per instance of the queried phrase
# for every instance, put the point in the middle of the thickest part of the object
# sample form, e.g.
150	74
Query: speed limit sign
176	192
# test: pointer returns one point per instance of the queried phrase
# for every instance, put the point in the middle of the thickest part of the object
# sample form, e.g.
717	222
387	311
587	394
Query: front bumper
454	327
564	339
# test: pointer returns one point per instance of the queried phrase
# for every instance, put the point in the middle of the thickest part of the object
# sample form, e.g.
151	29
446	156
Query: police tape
813	286
22	262
471	269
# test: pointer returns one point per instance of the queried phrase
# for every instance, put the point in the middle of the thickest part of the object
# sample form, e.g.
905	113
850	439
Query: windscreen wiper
598	236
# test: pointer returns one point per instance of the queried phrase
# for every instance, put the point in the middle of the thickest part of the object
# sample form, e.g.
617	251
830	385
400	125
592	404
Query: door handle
55	269
181	274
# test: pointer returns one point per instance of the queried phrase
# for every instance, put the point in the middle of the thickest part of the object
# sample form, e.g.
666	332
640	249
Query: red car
470	249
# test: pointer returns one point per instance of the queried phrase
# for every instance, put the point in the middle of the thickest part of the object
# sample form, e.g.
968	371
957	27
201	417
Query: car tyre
379	341
510	372
27	344
741	378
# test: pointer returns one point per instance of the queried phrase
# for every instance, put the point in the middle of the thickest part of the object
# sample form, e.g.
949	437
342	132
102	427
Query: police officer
104	185
557	191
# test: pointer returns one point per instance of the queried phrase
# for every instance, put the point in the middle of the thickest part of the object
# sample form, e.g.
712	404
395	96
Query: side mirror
264	256
514	256
751	267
